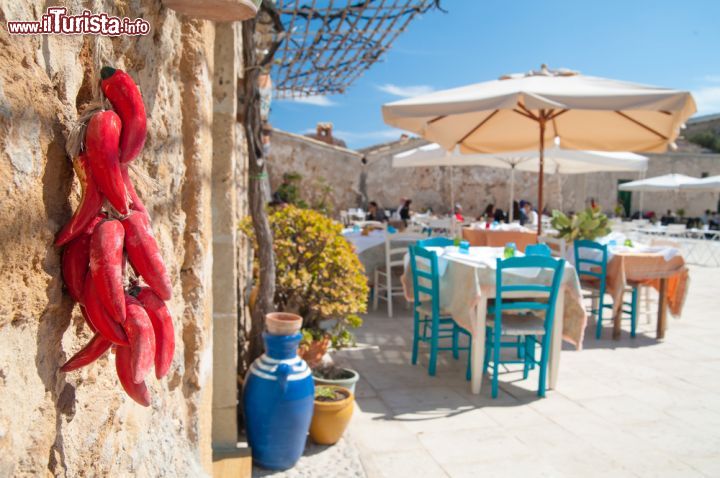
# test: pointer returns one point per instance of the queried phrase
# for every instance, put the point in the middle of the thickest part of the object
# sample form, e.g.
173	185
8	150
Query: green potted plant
588	224
331	374
318	276
332	411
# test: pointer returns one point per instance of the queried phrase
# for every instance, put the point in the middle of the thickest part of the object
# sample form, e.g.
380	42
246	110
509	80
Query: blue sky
659	42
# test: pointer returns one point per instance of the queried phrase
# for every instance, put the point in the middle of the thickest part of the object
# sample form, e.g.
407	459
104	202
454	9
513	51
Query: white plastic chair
396	246
558	246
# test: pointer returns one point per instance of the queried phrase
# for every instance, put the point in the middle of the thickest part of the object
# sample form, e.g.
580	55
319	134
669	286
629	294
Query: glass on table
509	250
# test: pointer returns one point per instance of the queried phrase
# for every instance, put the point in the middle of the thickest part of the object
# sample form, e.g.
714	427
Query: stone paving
634	407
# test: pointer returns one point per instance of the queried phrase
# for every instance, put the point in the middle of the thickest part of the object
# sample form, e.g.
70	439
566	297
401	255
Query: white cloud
707	99
314	100
406	91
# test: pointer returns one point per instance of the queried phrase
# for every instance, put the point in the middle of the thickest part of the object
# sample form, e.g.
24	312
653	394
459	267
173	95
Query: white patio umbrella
558	160
667	182
524	111
709	184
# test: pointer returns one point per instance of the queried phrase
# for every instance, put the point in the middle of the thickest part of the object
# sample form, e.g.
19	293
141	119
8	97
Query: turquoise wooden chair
538	250
430	323
505	317
592	273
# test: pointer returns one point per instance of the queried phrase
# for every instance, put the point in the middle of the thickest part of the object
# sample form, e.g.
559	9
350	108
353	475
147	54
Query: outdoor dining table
499	237
467	282
662	268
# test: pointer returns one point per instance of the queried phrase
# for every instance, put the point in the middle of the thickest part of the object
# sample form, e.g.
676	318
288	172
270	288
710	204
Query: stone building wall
476	187
317	162
82	423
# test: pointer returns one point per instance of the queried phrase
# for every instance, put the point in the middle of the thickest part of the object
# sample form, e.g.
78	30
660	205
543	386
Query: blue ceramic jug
278	400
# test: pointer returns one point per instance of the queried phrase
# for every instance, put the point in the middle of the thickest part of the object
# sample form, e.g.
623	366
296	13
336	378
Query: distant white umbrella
558	160
668	182
709	184
527	111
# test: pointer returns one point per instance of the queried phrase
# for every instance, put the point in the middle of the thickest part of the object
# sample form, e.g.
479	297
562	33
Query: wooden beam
642	125
482	123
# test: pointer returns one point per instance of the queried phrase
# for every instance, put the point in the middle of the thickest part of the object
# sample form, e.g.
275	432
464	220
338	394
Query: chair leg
527	356
543	365
433	347
468	367
416	337
531	350
376	289
519	346
488	344
496	361
599	312
455	337
388	284
634	312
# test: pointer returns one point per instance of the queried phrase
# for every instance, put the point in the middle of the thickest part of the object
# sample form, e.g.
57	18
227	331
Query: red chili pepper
135	203
99	318
90	204
125	97
76	261
75	264
144	254
94	349
106	257
137	391
142	339
87	319
163	328
102	140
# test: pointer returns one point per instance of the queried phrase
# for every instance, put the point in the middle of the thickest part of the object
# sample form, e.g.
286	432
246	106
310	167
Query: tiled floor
627	408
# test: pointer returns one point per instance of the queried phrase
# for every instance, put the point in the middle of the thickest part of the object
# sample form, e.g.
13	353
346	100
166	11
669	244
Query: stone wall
476	187
317	162
82	423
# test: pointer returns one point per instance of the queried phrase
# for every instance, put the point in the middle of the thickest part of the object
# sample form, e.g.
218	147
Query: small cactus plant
588	224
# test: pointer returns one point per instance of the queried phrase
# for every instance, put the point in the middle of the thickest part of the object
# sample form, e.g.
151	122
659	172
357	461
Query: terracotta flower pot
217	10
331	418
313	352
283	323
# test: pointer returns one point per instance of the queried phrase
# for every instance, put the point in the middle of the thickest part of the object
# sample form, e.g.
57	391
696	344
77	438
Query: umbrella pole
541	172
512	193
452	190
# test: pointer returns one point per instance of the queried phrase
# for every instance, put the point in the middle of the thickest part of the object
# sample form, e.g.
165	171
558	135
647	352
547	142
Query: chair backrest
435	242
558	246
538	250
594	266
547	294
425	277
394	253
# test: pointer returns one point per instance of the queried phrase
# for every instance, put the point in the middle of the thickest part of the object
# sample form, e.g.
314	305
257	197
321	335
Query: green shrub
318	275
707	139
588	224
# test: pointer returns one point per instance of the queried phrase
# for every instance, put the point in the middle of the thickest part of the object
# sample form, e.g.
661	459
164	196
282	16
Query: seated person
489	213
375	213
499	215
458	213
405	212
530	214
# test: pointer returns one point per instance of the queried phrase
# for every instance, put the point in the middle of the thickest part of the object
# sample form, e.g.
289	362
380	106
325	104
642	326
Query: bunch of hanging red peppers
110	228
